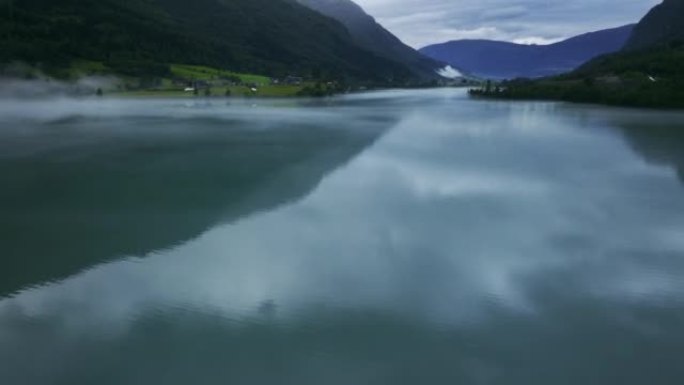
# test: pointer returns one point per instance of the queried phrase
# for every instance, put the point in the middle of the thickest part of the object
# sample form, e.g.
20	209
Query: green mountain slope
662	25
374	37
271	37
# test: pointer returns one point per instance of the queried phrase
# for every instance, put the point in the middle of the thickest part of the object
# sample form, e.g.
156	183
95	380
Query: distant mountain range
647	72
504	60
270	37
370	35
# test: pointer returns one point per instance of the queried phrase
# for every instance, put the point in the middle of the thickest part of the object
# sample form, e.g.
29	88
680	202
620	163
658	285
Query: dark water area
400	237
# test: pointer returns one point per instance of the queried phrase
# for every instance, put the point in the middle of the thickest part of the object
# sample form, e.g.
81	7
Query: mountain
503	60
270	37
373	37
648	72
663	24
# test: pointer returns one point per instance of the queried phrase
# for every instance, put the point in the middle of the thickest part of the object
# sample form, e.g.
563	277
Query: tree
10	17
10	9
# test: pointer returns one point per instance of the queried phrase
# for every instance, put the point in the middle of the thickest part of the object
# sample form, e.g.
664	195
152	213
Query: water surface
402	237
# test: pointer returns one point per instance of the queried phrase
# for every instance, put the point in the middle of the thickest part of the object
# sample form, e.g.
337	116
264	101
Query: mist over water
396	237
16	87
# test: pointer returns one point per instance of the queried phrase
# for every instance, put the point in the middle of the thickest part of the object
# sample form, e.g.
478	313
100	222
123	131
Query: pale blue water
400	237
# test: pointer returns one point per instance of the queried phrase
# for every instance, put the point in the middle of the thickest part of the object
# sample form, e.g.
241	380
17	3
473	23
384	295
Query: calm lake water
403	237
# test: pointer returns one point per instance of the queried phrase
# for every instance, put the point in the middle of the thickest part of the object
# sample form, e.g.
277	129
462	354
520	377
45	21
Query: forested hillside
370	35
663	24
271	37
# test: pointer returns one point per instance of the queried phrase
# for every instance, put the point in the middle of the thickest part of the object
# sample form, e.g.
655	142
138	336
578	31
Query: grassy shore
214	82
84	77
269	91
208	74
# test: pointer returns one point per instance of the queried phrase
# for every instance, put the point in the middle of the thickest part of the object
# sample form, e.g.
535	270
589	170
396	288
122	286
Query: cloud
449	72
423	22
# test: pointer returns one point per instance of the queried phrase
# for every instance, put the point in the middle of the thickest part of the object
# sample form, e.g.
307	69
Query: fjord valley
647	72
260	192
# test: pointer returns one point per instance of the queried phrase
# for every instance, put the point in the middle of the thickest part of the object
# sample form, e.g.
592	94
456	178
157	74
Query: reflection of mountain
87	199
659	143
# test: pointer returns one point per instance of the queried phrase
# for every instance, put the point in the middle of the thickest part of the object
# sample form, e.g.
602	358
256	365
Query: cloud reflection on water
476	225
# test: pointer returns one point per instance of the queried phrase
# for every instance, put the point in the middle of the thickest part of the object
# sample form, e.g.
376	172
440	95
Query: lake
394	237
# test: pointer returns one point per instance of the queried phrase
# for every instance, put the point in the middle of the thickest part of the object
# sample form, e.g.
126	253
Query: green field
80	68
207	73
268	91
210	82
169	87
271	91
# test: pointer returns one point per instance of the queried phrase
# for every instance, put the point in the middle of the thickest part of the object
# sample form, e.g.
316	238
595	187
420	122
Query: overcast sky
422	22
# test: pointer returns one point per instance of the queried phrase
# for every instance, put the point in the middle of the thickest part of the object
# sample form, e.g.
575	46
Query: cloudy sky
422	22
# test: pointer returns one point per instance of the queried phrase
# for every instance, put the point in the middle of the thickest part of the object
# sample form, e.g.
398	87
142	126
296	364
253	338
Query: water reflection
84	184
486	243
659	142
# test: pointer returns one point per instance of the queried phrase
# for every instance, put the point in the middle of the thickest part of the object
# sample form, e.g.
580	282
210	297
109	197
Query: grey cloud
505	13
422	22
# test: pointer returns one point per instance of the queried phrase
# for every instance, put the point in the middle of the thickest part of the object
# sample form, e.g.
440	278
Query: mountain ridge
506	60
647	72
662	24
270	37
372	36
